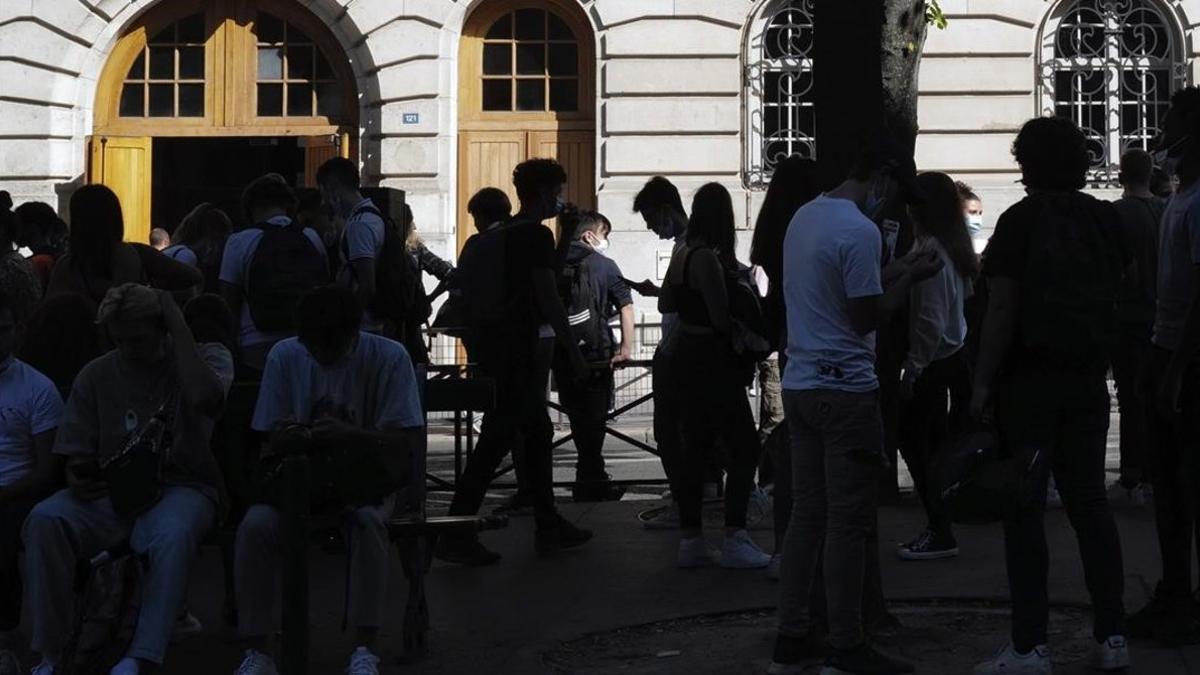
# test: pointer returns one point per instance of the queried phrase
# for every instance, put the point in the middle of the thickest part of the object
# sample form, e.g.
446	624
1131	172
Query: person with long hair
99	259
793	184
712	384
61	337
199	241
935	365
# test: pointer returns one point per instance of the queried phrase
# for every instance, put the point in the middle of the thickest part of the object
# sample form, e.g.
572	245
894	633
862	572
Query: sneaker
465	551
1008	662
696	552
363	662
1112	654
45	668
929	545
9	664
774	567
739	552
520	504
599	490
1143	624
758	507
560	536
255	663
185	627
793	655
663	518
863	660
126	666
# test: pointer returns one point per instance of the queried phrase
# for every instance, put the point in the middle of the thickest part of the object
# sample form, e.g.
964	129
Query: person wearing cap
836	296
1053	270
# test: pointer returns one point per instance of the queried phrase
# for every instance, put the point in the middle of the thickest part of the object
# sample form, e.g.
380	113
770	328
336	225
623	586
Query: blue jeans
63	529
837	456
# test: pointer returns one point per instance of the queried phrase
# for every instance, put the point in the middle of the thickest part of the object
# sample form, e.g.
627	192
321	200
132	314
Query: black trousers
587	404
928	427
1175	474
12	517
1130	366
522	372
715	409
1065	417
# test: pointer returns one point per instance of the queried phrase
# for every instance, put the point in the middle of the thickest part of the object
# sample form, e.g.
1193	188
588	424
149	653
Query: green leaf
934	15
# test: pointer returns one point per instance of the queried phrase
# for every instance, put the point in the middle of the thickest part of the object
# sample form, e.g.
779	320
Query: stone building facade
440	97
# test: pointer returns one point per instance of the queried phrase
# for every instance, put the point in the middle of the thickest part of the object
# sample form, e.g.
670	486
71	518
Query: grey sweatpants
257	560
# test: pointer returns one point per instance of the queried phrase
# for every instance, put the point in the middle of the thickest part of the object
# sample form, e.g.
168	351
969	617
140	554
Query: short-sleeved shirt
111	400
362	240
182	253
1178	256
670	320
235	269
1140	220
29	405
374	388
831	255
608	286
528	246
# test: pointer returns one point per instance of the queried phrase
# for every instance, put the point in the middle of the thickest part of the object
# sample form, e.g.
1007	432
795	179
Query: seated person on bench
157	379
349	400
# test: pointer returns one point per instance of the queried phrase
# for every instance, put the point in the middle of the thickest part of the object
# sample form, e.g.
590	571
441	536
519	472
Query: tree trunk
901	45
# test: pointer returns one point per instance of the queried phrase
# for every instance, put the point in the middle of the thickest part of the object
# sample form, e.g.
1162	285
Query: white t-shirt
362	240
235	269
937	326
374	388
832	254
29	405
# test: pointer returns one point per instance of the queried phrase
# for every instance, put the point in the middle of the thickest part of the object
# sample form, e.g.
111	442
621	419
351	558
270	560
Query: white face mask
599	245
874	202
975	225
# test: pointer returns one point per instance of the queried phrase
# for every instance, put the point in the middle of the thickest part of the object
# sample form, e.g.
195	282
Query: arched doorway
199	97
526	89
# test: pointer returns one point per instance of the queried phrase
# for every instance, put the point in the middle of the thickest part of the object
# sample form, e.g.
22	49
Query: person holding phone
156	369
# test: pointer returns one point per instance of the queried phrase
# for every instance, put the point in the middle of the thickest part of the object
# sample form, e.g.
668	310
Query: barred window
1111	67
779	89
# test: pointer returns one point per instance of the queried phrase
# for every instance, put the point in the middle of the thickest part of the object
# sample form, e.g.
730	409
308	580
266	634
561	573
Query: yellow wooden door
123	164
486	159
318	150
576	151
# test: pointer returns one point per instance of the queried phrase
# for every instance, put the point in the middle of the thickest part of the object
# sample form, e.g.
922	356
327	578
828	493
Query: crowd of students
117	359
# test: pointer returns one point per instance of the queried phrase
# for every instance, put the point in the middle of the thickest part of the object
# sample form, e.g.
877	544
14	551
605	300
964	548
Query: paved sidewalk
504	619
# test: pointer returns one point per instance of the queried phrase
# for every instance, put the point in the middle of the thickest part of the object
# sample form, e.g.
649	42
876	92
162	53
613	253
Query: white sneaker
739	552
185	627
363	662
126	666
257	663
696	552
774	567
666	518
1008	662
1112	654
758	506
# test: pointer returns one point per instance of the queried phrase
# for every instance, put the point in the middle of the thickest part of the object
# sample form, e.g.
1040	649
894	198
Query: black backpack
481	283
585	311
1072	279
397	278
283	268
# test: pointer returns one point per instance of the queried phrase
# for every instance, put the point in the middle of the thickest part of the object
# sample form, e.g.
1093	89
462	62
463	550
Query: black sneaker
793	655
466	551
863	660
1144	623
560	536
600	490
520	504
929	545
